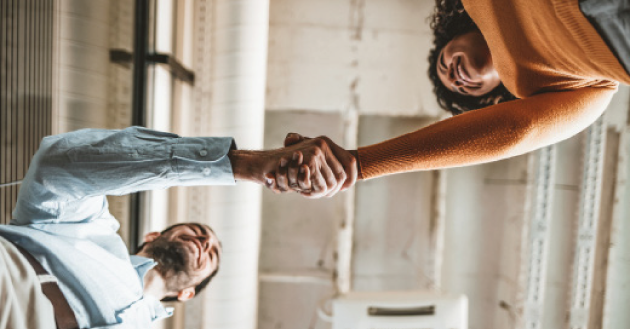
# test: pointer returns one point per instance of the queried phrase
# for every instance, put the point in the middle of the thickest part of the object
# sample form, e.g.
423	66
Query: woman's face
465	65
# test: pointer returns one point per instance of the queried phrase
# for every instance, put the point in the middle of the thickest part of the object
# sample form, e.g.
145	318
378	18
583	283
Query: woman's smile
465	65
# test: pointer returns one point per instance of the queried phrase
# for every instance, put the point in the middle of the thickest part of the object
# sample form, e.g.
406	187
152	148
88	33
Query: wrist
355	154
249	165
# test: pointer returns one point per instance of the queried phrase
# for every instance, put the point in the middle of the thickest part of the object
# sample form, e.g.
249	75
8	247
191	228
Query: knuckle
319	142
341	175
318	151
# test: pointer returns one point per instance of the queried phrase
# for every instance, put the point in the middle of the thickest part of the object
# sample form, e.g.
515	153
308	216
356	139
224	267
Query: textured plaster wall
391	242
323	54
326	57
298	236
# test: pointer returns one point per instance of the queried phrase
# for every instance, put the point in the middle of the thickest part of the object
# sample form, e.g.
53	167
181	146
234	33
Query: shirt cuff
204	160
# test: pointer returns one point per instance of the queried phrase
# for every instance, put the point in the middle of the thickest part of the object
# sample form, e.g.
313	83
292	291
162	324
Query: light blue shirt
62	215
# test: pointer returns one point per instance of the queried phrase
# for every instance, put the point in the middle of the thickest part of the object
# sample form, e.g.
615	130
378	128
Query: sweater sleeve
493	133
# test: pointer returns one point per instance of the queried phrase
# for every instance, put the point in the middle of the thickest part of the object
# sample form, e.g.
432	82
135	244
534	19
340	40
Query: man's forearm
249	165
94	162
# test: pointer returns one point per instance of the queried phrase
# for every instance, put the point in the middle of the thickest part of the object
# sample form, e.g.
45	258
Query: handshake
312	167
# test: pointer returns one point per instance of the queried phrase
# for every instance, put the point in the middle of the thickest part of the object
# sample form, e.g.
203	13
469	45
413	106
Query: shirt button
207	171
203	153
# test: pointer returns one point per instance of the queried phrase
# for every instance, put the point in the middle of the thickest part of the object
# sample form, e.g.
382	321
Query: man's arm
71	173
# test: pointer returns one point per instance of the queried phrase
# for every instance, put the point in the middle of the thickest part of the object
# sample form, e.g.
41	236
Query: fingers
282	183
348	161
304	179
293	169
303	185
270	182
319	186
339	175
332	169
325	181
330	178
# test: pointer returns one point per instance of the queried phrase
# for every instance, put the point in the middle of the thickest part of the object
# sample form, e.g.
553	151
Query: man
62	224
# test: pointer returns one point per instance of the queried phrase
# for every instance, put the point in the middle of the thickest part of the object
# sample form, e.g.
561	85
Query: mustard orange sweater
546	53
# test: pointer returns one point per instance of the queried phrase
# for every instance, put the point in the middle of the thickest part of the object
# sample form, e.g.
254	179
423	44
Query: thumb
292	139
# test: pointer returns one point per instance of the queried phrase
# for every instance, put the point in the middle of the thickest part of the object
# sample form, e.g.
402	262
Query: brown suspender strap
64	316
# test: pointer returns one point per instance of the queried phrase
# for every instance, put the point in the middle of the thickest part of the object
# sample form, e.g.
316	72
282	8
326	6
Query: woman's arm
493	133
490	134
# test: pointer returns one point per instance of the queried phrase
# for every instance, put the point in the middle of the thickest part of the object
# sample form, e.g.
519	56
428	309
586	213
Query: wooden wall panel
26	39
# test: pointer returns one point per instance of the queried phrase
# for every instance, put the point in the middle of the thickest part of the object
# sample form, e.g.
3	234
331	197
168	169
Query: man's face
186	254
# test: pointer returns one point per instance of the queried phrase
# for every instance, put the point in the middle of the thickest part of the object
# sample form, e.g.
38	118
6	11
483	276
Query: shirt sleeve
71	173
490	134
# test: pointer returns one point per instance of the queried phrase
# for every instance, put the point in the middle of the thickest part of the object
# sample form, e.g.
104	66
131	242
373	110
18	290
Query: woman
454	30
536	72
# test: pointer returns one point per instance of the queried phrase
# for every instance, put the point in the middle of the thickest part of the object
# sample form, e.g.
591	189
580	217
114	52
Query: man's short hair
202	285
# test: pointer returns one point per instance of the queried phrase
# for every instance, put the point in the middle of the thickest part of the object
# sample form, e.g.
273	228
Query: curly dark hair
449	19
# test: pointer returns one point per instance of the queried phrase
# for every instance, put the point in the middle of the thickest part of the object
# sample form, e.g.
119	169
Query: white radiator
400	310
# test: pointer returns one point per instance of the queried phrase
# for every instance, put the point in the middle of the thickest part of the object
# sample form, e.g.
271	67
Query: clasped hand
312	167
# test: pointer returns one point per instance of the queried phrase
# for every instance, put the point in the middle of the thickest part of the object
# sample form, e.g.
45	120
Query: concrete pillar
230	96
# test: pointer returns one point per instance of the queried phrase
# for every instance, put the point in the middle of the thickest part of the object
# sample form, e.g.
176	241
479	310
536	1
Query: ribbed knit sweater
548	55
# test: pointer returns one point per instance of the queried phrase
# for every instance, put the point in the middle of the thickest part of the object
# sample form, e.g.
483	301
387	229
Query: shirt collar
142	265
158	310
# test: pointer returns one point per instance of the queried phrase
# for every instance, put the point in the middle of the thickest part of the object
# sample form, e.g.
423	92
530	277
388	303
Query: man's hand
321	174
291	175
278	181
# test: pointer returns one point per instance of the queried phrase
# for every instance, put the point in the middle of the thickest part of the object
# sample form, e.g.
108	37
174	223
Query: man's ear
186	294
149	237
